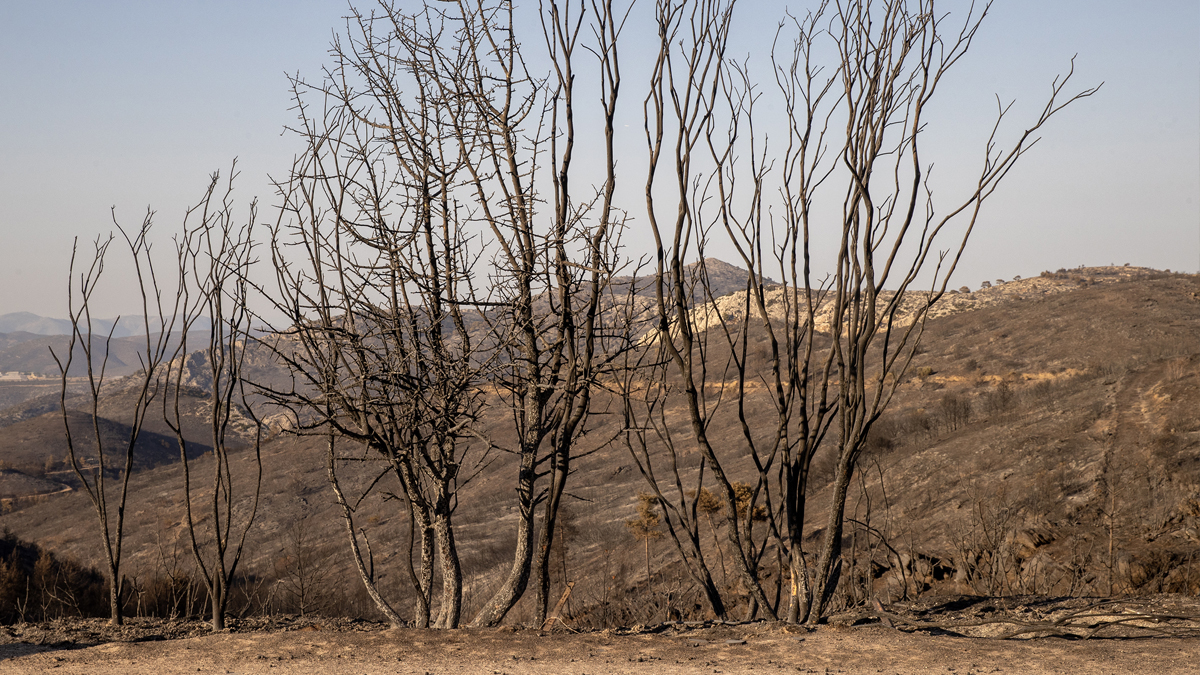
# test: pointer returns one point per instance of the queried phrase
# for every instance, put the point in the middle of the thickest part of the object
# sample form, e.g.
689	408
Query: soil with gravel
1150	636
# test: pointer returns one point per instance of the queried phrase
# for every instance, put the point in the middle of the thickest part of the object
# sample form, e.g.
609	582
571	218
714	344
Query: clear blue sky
133	104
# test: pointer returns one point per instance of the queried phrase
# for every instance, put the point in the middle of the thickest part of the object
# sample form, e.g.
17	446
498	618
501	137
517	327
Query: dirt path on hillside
758	647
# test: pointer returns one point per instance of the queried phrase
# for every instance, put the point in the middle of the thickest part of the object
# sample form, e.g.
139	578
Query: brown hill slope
1045	443
1047	434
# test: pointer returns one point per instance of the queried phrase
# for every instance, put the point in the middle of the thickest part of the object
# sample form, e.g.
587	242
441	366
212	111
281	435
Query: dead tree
650	393
553	275
381	330
424	146
95	464
590	334
892	61
215	257
685	86
838	344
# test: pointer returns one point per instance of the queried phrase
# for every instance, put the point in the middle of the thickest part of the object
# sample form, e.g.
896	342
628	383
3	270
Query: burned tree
840	328
418	180
685	86
215	257
554	275
383	335
95	464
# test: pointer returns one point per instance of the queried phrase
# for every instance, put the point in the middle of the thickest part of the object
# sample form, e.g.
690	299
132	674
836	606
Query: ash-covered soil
1154	635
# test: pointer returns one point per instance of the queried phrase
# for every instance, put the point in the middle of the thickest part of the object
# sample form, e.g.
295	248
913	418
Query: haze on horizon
133	104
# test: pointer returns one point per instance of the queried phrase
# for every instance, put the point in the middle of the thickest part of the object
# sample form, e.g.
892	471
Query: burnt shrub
911	425
37	585
883	437
999	400
954	411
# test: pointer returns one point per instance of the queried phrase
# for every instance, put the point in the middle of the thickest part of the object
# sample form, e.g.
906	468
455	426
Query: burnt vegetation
1067	471
451	397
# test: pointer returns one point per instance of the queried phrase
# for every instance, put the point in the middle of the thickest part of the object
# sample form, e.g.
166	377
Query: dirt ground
852	644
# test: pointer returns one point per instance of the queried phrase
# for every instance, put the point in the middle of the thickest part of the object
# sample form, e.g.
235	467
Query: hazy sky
133	104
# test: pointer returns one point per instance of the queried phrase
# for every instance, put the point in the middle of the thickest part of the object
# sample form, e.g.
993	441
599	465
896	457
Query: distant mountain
125	326
723	279
27	322
26	352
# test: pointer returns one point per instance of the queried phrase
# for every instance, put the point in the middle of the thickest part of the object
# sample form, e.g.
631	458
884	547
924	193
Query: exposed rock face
196	372
732	306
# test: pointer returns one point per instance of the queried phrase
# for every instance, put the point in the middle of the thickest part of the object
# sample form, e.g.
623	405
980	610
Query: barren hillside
1045	441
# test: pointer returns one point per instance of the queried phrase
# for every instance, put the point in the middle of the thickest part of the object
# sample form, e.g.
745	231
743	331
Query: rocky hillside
731	305
1045	441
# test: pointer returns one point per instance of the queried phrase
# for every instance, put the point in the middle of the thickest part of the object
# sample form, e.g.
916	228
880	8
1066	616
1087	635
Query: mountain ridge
120	327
